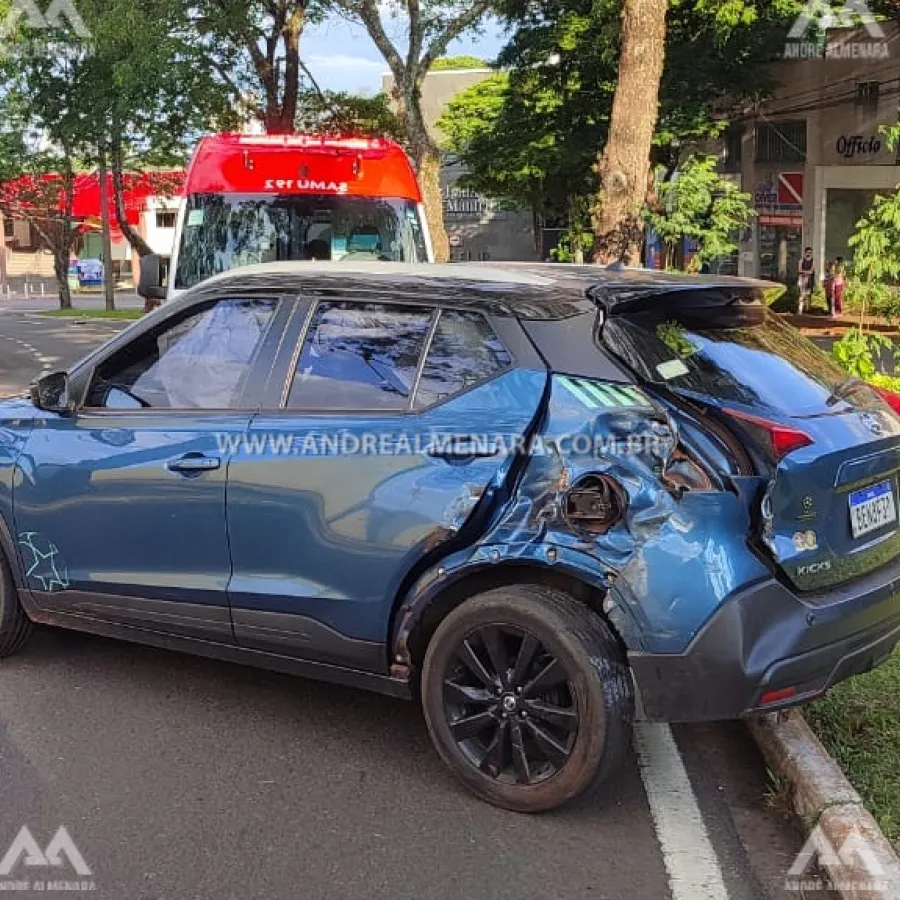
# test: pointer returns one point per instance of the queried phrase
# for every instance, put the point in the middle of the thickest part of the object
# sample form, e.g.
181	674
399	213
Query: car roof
520	290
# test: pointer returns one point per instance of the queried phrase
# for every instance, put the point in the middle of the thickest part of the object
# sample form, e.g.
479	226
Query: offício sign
852	145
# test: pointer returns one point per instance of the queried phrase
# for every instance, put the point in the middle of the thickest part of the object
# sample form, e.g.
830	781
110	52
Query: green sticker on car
603	395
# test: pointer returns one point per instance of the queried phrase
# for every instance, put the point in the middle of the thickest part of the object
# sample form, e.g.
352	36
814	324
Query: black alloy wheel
527	696
509	705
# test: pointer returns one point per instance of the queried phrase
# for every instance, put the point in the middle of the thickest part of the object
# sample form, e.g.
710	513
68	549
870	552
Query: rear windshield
739	352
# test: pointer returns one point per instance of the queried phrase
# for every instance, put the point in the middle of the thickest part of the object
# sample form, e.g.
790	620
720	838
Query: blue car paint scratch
44	563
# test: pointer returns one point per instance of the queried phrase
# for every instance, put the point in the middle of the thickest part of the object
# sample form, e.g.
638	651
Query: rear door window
360	356
739	352
464	352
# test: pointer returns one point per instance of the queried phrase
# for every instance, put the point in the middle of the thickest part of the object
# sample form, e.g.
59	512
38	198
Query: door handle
461	456
194	464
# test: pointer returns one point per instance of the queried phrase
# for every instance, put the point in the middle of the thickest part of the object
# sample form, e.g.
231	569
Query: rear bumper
768	638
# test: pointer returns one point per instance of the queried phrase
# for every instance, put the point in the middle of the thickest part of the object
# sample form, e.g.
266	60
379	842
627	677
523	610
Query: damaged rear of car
716	491
813	456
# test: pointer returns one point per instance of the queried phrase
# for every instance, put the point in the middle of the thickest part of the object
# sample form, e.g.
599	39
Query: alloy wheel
510	705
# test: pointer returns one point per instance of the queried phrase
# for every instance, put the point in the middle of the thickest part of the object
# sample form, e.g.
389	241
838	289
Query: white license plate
872	509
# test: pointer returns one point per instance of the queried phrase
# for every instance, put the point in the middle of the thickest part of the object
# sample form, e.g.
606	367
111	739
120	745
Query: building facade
813	157
25	259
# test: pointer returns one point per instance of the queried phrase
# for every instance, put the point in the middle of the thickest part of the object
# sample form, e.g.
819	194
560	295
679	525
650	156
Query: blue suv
526	495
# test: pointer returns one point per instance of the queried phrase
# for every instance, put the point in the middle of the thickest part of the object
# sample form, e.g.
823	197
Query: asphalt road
189	779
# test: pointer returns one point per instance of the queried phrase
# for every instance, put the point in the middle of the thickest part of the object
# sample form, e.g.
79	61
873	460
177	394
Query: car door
371	462
120	507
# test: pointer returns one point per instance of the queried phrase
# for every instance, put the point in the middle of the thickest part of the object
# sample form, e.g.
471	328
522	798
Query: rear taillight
782	439
889	397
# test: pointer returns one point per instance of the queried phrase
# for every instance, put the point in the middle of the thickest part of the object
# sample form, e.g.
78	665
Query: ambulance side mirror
150	283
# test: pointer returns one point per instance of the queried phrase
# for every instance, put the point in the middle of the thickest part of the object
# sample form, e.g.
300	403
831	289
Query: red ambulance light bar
301	164
309	141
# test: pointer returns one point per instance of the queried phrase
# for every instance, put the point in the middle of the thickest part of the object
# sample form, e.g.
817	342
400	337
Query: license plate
872	509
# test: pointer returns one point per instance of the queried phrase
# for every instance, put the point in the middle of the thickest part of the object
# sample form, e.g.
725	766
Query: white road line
43	360
688	854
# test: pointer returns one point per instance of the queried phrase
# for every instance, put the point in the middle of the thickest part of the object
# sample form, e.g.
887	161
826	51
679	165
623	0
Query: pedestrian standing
828	285
807	281
840	276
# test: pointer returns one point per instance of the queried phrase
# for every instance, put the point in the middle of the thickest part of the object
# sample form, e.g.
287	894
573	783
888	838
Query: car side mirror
150	283
51	393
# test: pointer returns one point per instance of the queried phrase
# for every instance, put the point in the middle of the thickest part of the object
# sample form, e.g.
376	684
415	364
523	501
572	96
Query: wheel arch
8	551
418	615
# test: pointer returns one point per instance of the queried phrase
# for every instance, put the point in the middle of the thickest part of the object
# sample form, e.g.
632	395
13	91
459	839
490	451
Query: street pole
109	288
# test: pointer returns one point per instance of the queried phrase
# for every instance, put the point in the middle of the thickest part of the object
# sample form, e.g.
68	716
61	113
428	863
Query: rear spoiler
631	294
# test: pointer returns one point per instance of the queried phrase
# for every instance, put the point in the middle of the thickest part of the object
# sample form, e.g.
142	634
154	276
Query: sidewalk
32	303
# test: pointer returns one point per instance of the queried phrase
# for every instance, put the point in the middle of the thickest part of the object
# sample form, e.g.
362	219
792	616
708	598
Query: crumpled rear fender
664	568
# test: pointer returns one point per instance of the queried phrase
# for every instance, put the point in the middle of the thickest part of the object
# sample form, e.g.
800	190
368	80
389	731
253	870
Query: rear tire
527	697
15	626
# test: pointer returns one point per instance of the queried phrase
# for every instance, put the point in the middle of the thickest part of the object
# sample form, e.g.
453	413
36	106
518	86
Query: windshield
224	231
740	353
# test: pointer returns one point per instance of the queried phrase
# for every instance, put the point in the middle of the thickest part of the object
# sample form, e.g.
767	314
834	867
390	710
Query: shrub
872	298
862	355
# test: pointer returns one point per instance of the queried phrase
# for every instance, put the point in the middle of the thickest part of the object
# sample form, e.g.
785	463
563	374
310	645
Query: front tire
15	626
527	697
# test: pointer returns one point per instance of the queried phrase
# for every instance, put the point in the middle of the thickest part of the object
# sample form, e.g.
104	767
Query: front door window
199	361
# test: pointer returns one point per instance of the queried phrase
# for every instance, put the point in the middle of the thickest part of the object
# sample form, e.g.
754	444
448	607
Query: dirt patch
826	326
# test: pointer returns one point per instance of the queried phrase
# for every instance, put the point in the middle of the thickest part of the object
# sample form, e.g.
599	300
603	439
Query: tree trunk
109	287
281	85
537	235
63	247
138	244
61	271
292	30
426	160
622	167
429	173
668	255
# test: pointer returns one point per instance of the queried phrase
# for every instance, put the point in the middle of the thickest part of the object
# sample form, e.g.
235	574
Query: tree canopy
131	93
532	134
458	62
701	205
253	48
430	27
341	113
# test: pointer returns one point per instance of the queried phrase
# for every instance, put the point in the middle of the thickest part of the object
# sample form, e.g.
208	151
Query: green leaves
876	241
139	79
340	113
857	351
458	62
535	133
137	88
508	136
252	47
700	203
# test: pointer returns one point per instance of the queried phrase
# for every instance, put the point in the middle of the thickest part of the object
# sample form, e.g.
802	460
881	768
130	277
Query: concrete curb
830	808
